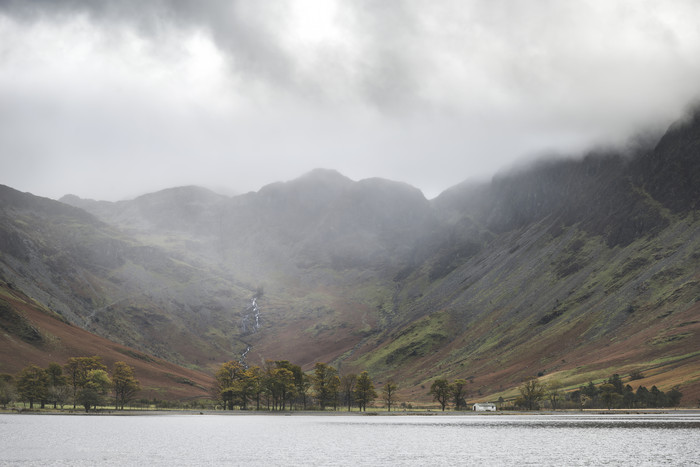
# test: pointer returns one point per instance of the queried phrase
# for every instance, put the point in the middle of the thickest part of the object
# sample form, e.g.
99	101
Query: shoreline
380	413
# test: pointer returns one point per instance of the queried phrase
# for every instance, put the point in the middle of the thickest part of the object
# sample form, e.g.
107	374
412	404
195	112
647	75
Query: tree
56	390
306	385
326	384
642	397
347	389
590	391
658	398
59	395
674	396
440	390
294	386
124	383
77	370
609	396
553	391
7	389
257	386
628	397
364	391
389	393
230	385
459	392
532	391
97	384
280	384
32	385
616	381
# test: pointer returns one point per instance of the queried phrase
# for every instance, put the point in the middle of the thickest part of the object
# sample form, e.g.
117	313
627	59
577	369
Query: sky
111	100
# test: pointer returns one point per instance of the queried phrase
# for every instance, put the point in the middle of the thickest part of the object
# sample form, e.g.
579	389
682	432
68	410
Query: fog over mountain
114	100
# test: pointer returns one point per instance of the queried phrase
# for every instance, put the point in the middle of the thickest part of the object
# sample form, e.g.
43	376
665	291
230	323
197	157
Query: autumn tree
458	390
347	389
389	393
440	390
532	391
364	391
231	385
280	384
95	386
77	369
257	384
124	383
295	386
32	385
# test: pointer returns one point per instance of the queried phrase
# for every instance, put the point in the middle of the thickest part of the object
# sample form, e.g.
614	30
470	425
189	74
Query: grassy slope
31	334
522	310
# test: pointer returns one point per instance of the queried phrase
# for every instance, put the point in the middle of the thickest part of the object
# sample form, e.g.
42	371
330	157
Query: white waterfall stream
251	313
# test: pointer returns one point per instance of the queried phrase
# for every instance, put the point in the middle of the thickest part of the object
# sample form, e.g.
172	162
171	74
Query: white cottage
484	407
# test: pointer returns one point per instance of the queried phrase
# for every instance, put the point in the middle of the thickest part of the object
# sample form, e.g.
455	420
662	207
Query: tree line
82	381
281	385
611	393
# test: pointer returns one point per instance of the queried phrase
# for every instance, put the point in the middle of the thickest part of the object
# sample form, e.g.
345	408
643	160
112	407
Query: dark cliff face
619	197
671	172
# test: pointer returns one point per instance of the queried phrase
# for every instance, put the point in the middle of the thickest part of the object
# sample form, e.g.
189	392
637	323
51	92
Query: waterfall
251	313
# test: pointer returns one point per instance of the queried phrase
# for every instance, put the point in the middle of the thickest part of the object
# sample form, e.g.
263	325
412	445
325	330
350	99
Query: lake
243	439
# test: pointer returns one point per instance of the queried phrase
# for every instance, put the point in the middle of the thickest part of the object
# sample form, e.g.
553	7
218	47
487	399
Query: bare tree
389	393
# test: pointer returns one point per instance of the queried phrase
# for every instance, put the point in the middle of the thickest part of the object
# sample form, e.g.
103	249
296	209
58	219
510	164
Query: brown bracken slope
30	334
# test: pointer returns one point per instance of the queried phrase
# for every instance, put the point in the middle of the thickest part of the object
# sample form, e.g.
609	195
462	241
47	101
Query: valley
570	270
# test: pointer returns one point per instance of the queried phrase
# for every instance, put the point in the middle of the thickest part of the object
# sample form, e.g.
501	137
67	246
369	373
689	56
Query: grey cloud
426	92
419	55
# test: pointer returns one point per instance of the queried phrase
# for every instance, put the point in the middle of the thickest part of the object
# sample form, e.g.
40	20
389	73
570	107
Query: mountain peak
325	175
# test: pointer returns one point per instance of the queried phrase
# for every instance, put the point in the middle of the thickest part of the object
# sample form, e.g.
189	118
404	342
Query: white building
484	407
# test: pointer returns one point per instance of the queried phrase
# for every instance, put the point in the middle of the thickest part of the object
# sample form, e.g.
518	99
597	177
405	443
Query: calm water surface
663	439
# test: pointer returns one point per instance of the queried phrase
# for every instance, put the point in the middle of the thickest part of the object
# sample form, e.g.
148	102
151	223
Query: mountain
570	269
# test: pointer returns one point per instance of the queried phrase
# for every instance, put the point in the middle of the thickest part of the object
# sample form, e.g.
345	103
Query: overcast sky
109	100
